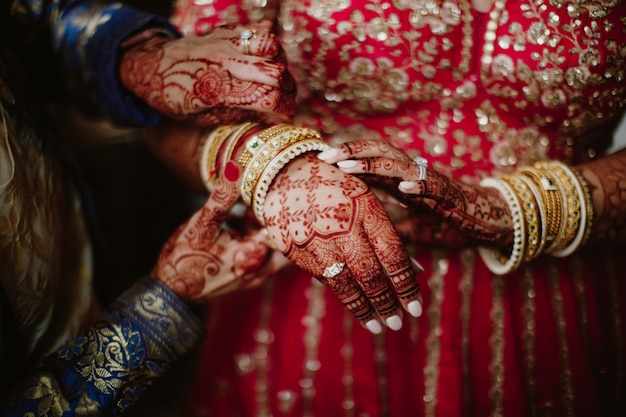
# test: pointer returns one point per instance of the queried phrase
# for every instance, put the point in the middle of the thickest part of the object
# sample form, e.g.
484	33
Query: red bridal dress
476	94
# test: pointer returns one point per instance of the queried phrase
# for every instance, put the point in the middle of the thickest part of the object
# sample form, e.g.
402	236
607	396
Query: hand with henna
333	226
444	211
219	77
203	260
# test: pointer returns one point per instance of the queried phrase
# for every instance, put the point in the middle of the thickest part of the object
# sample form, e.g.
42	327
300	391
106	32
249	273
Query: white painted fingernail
327	154
415	308
374	326
394	322
417	266
407	186
347	164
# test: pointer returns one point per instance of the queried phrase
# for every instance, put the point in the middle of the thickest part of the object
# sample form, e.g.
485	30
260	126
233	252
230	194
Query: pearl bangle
492	256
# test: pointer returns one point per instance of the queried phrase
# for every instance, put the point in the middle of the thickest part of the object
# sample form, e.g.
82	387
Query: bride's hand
202	260
480	214
333	226
219	77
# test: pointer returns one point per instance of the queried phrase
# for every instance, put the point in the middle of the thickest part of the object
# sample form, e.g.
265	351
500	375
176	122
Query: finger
393	257
255	39
365	269
266	72
351	295
384	167
225	193
249	101
264	43
316	259
363	149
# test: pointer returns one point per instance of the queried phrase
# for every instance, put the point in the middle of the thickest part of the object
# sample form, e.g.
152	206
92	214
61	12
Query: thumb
226	191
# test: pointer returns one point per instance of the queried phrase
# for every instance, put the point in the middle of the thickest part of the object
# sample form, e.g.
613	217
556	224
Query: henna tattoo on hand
480	215
201	260
319	216
607	183
208	88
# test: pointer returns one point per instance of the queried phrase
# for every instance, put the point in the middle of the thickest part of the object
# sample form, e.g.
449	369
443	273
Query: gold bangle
233	140
270	147
571	204
541	216
581	205
209	152
530	212
551	196
256	142
587	206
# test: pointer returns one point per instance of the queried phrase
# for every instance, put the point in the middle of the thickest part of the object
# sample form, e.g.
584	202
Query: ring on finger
245	36
422	164
334	270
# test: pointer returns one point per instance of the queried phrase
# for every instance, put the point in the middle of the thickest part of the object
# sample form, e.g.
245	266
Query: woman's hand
202	260
469	212
333	226
215	78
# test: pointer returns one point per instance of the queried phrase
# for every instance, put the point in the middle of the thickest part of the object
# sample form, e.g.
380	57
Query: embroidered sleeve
106	369
87	35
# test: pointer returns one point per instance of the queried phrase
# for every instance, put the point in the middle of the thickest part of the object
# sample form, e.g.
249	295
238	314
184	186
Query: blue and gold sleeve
105	370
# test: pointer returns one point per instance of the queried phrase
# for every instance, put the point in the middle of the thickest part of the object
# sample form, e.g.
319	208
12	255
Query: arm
149	328
104	370
86	37
571	204
606	178
311	229
136	67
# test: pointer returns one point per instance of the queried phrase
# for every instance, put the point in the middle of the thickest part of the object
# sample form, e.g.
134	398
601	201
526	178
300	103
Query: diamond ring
422	164
333	270
245	36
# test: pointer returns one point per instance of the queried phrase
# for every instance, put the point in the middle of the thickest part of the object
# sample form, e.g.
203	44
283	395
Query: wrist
552	213
143	37
266	153
261	151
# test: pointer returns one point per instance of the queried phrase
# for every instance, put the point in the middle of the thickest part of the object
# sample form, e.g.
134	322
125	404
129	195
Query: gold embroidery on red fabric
528	338
316	310
381	372
436	284
618	326
575	269
496	343
468	262
263	338
561	332
347	351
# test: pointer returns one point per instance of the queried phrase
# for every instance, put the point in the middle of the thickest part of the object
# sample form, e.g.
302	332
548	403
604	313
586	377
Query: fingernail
231	171
415	308
347	164
417	265
394	322
374	326
406	185
327	154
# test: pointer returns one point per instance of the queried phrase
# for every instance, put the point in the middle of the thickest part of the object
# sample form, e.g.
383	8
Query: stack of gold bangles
552	214
262	156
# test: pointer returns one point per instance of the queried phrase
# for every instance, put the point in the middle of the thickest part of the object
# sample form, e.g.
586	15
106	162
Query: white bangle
493	258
